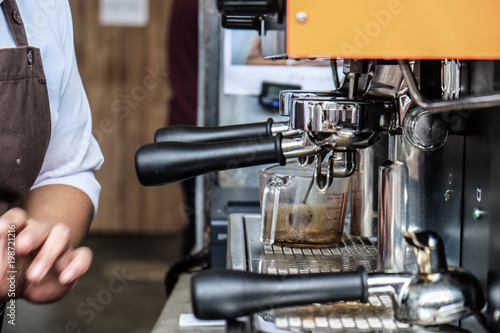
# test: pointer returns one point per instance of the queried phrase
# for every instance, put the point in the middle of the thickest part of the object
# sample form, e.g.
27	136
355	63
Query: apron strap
15	22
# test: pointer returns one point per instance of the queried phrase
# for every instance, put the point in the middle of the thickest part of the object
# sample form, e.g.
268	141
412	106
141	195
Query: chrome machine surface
419	138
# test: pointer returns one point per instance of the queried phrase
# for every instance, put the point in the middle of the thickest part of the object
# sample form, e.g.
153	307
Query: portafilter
318	124
435	295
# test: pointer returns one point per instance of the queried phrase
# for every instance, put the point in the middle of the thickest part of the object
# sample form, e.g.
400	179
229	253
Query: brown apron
24	114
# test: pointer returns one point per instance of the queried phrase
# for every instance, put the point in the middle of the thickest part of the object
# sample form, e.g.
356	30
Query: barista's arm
62	203
48	232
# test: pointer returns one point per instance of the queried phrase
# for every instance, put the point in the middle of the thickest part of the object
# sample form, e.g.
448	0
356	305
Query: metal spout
429	251
435	295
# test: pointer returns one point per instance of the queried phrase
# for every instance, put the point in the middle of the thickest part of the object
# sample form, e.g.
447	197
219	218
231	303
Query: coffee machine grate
350	253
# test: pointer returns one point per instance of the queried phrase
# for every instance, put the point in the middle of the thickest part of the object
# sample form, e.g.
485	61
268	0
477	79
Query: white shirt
73	153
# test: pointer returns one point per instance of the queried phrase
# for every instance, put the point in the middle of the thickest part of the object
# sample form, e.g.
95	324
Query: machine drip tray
246	252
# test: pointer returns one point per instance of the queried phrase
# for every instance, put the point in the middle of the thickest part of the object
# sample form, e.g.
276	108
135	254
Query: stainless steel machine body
423	136
433	174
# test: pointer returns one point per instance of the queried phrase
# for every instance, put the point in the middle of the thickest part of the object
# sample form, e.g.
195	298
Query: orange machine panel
394	29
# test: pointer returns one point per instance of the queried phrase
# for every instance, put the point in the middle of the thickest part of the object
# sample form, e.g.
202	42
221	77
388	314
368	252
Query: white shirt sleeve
73	154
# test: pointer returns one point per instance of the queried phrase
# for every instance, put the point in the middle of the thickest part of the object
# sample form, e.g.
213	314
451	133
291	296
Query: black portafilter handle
194	134
169	162
228	294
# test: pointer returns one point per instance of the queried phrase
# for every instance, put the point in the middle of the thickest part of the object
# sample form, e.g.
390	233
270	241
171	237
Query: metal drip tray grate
375	316
346	256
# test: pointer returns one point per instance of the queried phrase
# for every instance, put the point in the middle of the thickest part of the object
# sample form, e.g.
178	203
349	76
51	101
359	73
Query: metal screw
301	17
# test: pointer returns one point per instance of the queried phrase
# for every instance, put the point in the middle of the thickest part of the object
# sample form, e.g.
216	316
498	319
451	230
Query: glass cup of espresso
295	212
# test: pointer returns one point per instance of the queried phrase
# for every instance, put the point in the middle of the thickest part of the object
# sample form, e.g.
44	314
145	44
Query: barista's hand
47	265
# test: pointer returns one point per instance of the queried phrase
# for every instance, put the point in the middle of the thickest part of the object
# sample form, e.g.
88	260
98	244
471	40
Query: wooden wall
126	79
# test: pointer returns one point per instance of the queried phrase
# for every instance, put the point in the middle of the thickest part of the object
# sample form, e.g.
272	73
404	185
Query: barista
48	192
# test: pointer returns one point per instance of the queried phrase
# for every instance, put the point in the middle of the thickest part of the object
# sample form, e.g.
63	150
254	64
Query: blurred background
124	72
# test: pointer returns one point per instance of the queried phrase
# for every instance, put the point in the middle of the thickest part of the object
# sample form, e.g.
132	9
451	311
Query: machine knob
250	7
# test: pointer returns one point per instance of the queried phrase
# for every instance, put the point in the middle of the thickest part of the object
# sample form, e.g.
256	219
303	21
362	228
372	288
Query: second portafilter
435	295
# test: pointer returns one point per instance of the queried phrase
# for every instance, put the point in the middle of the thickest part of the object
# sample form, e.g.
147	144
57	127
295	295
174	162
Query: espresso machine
414	123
